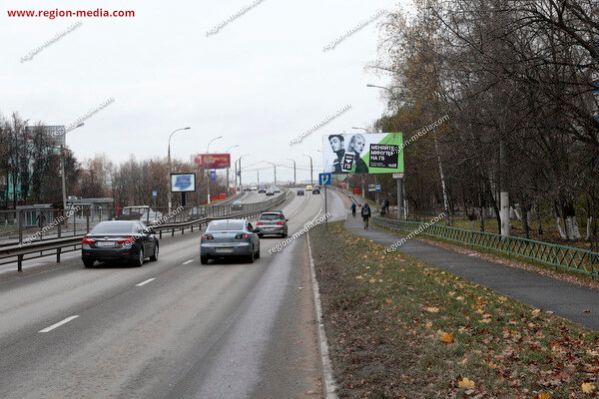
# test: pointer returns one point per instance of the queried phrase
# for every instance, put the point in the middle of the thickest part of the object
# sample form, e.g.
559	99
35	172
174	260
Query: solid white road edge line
145	282
187	262
327	369
60	323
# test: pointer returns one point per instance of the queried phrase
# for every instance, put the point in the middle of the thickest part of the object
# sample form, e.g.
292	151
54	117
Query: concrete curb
330	387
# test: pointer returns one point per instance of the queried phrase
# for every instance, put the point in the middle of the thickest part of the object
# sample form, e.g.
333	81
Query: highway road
171	329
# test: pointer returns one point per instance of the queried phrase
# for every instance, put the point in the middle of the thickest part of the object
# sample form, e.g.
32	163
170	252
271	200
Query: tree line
30	166
515	75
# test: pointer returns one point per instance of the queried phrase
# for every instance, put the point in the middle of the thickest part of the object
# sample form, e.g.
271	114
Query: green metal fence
559	256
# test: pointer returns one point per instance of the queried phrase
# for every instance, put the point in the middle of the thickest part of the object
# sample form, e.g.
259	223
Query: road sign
374	188
213	175
154	194
325	179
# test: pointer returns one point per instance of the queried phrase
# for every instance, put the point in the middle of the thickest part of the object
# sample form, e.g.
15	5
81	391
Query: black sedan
122	240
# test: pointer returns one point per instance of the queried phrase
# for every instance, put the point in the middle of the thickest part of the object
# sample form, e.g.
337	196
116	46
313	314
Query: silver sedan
229	238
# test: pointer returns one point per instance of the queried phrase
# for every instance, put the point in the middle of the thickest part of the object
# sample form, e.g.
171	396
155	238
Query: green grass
381	322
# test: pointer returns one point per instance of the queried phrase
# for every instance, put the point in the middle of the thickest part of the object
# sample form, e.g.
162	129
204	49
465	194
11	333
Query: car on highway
270	192
272	223
276	189
309	187
143	213
229	238
119	240
316	190
262	190
237	206
300	192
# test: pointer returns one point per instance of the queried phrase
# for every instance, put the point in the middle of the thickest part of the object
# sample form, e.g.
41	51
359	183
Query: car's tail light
126	241
242	236
207	237
88	241
259	223
280	223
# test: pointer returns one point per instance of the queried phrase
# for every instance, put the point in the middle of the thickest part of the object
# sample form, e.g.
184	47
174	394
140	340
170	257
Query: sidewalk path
564	299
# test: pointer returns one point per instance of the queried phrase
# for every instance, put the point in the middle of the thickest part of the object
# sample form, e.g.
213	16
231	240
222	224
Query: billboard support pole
399	198
326	207
208	185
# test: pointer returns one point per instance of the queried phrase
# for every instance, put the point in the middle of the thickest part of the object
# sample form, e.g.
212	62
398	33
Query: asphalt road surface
170	329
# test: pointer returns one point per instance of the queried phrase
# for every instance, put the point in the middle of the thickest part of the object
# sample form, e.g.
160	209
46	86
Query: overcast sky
260	82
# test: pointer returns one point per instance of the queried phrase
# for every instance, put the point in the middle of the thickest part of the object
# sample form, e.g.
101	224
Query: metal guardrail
72	243
559	256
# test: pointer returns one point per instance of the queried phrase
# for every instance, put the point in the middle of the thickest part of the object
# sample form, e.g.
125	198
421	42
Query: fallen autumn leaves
402	329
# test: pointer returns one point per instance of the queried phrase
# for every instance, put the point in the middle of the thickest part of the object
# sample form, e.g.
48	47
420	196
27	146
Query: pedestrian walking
366	213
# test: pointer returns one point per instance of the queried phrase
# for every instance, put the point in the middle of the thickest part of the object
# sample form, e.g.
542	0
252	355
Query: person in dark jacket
366	213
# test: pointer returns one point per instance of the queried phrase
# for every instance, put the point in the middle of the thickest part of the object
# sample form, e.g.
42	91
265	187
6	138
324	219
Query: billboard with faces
359	153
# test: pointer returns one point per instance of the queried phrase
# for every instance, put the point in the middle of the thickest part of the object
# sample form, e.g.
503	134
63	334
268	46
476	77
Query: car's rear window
113	228
271	216
225	225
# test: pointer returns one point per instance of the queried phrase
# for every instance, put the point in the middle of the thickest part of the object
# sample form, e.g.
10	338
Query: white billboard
183	182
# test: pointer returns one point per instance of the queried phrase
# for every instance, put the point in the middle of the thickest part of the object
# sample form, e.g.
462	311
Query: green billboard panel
359	153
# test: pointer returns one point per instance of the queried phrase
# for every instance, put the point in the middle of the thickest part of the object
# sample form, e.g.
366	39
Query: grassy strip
400	328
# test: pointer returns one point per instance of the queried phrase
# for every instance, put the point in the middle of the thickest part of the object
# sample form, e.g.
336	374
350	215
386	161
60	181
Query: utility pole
240	185
258	177
294	172
311	169
170	168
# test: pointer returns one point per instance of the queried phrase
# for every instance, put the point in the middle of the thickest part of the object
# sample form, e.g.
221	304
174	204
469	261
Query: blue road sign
213	175
154	194
325	179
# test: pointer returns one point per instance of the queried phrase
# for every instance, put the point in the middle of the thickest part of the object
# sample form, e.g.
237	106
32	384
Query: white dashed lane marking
60	323
145	282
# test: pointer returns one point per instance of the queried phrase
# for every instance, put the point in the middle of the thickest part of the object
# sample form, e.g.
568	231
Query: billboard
213	161
183	182
373	153
56	132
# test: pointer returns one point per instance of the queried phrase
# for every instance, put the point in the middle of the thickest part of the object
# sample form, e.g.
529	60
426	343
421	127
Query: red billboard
213	161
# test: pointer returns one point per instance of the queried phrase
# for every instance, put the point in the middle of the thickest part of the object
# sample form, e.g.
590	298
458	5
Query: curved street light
170	167
311	169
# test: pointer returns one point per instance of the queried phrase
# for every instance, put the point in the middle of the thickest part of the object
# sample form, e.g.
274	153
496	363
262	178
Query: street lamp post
170	167
275	171
311	169
62	169
208	174
227	151
239	168
294	171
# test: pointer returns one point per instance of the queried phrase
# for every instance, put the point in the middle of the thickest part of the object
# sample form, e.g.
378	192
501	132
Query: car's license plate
224	250
105	244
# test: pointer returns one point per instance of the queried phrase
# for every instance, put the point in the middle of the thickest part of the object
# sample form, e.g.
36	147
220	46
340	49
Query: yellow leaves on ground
536	312
389	301
466	383
431	309
428	325
543	395
587	387
445	337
